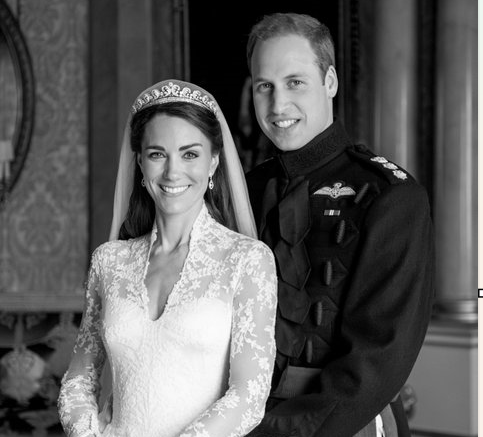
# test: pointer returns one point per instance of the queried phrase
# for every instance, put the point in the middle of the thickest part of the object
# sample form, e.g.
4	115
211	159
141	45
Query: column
395	111
455	209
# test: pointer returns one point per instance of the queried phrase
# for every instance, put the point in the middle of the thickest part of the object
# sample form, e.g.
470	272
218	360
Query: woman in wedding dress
181	302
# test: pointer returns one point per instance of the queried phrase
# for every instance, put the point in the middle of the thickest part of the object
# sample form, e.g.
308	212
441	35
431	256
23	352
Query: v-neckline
182	274
173	290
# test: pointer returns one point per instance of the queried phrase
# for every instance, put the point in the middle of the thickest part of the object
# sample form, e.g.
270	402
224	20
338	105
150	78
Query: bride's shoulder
245	245
115	250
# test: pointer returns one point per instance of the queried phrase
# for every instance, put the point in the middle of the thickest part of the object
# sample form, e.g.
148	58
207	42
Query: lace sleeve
78	396
252	352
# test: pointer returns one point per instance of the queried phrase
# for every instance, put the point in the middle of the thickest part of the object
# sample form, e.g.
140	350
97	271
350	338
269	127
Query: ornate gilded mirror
17	95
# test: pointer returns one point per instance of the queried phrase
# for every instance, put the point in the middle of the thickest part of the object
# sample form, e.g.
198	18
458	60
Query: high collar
321	149
201	222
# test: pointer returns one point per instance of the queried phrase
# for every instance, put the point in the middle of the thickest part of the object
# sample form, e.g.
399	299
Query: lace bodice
203	368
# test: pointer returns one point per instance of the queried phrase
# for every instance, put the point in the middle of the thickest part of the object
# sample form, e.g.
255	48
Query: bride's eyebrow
181	148
189	146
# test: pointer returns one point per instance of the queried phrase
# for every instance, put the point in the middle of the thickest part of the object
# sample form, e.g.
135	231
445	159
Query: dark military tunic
352	237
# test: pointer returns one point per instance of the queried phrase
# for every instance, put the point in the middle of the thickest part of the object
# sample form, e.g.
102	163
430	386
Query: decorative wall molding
44	222
35	302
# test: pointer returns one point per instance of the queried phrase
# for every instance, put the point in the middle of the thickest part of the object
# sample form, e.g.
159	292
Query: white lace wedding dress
204	367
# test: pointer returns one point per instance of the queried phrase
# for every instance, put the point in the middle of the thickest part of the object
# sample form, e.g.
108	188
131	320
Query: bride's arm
252	352
78	396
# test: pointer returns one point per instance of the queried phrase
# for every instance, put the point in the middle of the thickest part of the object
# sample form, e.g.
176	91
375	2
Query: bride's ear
215	160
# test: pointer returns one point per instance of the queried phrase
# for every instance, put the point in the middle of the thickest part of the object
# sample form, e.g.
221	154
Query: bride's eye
190	155
154	155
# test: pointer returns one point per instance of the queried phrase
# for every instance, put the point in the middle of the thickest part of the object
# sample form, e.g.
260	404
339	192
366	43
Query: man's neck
322	147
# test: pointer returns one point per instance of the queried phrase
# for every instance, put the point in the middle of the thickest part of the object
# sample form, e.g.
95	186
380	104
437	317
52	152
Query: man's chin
285	145
286	141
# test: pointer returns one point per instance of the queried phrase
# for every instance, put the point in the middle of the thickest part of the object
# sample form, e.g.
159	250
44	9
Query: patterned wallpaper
44	224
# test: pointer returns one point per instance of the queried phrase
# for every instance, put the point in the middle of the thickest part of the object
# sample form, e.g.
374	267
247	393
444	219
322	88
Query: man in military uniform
352	237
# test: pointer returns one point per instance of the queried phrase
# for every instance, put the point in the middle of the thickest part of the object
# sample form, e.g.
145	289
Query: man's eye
295	83
263	87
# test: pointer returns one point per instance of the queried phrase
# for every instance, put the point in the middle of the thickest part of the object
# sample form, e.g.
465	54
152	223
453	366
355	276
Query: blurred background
69	71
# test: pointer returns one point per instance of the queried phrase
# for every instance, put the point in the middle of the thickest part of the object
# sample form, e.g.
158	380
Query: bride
181	302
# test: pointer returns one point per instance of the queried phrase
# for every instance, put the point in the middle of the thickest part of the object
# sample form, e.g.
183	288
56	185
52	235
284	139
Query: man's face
292	102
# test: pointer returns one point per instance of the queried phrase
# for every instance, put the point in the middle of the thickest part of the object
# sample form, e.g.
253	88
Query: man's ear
331	82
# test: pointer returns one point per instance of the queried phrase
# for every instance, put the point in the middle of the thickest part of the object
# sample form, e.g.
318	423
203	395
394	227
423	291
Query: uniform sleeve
383	323
79	390
252	352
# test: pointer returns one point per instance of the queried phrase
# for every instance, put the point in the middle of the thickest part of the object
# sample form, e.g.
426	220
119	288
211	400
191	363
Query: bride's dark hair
140	215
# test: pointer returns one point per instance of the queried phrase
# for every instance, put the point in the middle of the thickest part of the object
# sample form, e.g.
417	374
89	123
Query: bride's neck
173	231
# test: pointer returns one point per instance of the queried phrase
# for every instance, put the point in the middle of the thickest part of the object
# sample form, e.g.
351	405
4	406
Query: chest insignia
336	191
389	165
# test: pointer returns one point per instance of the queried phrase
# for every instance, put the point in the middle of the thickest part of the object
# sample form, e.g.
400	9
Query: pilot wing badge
336	191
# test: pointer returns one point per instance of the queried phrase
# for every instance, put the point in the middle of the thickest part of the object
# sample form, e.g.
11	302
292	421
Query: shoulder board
390	171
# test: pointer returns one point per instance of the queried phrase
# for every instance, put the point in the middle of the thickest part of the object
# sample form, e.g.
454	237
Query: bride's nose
172	169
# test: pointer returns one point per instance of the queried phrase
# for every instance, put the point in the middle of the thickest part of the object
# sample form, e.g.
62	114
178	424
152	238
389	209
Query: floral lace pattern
204	367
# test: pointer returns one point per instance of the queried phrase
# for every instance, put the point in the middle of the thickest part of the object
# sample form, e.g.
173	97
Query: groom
352	237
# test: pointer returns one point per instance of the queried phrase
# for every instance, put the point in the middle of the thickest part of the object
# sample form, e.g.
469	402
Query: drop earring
210	182
143	183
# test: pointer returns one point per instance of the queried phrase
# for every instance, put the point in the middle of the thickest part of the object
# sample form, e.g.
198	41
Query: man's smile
284	124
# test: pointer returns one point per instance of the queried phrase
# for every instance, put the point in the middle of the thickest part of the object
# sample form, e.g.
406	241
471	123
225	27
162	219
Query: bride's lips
174	190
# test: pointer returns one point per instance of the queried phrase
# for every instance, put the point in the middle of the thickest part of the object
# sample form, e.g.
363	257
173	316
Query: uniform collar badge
336	191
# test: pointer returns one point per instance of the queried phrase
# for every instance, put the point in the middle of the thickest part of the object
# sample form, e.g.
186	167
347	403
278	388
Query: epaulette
390	171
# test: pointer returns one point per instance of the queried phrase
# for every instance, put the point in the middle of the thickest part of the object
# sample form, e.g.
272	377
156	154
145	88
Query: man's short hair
283	24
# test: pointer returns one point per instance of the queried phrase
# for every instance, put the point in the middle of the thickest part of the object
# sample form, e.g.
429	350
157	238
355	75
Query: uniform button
340	232
362	192
309	350
328	272
318	313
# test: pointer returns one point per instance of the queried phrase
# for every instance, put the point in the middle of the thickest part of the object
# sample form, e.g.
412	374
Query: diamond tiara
173	93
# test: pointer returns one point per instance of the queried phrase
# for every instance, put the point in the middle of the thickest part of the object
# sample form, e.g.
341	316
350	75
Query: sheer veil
176	90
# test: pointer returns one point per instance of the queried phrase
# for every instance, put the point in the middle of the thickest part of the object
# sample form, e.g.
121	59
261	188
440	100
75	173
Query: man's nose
279	101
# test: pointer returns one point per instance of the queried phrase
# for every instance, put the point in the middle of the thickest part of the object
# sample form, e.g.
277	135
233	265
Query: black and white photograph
229	219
